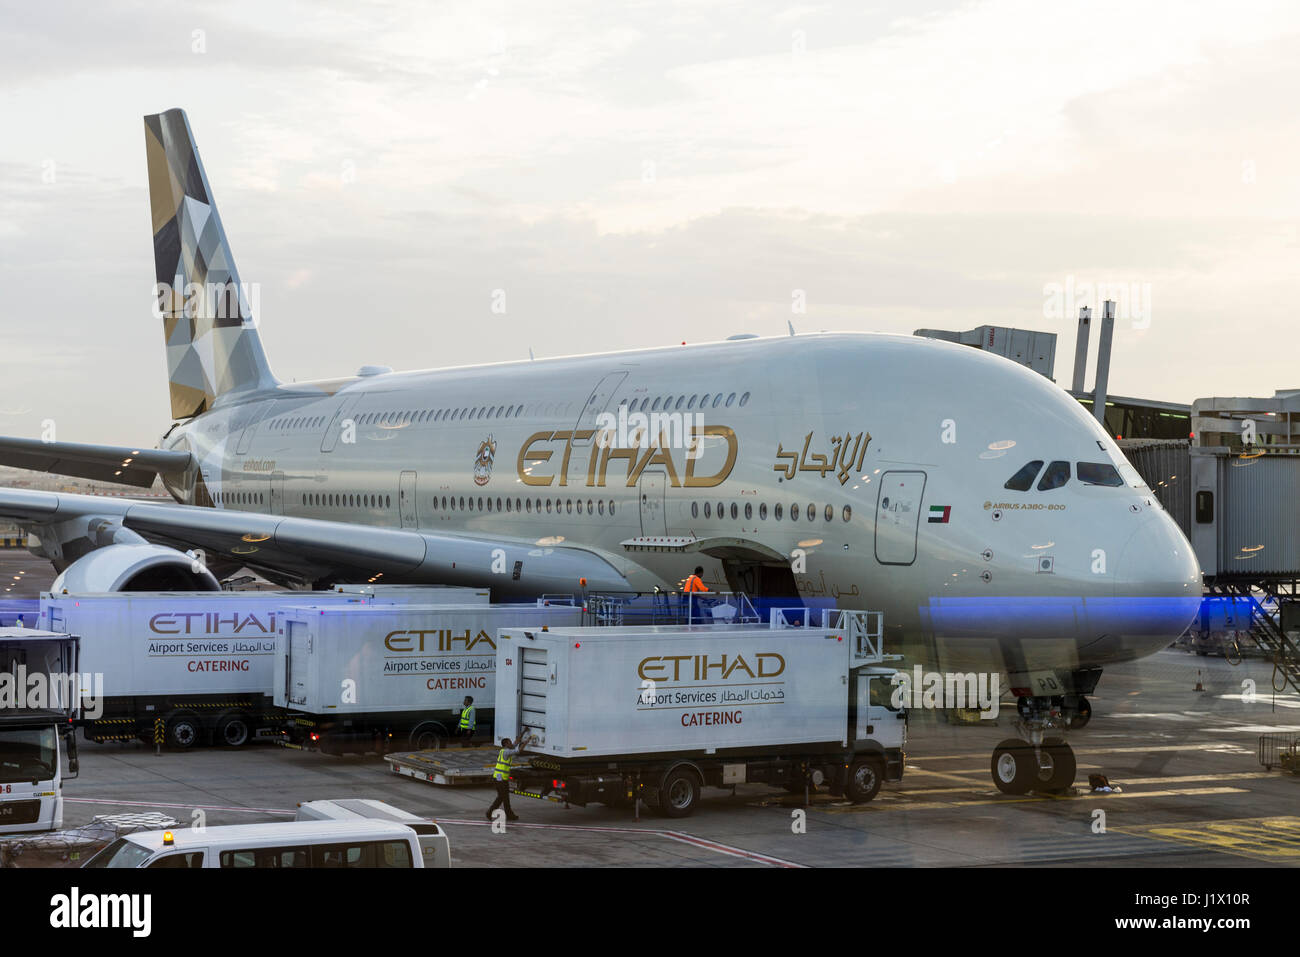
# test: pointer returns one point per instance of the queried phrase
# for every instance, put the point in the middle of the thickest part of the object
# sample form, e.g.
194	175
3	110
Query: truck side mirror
70	741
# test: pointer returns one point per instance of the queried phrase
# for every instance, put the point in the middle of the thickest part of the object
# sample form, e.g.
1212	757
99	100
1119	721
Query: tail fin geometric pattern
212	342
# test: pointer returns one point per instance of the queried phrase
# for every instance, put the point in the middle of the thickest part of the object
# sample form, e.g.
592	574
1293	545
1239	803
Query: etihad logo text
436	639
209	623
702	667
535	456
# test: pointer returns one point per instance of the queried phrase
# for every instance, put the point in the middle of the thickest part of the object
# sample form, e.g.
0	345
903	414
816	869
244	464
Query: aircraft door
597	402
651	487
898	513
406	500
335	427
250	429
277	493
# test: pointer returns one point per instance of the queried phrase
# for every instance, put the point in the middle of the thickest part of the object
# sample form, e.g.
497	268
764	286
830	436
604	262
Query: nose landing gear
1041	760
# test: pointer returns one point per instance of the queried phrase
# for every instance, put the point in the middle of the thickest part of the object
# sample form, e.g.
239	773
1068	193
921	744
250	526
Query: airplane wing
313	550
103	463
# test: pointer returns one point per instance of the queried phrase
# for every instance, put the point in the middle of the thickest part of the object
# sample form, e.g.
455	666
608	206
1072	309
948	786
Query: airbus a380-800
971	500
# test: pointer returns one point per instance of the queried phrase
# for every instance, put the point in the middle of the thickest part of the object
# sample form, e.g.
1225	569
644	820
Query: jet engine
135	568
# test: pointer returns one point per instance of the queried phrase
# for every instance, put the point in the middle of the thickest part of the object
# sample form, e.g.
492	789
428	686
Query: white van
296	844
434	846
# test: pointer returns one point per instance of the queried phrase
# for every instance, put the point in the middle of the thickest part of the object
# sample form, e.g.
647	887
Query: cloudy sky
647	173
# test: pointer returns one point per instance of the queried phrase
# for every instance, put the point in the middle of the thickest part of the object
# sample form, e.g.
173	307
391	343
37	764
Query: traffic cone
1198	682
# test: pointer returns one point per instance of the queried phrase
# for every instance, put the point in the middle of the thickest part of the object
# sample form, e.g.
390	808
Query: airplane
971	500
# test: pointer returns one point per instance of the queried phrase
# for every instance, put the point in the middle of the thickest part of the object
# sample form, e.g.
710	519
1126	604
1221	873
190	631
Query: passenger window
192	859
744	398
716	399
1056	475
1022	480
1099	473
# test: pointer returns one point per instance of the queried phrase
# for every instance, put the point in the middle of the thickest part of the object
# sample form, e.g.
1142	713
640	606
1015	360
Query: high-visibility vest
504	764
695	583
467	718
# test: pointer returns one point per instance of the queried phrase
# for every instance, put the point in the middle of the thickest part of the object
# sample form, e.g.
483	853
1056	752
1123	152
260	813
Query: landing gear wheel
1082	716
184	731
679	793
1061	766
233	731
1014	769
864	781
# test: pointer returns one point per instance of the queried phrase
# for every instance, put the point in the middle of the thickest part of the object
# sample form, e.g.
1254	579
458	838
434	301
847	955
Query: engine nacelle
135	568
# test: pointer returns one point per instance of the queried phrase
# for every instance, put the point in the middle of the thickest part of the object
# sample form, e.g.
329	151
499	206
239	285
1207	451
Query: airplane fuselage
868	469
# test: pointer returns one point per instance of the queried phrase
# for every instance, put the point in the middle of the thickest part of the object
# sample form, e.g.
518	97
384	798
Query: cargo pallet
449	766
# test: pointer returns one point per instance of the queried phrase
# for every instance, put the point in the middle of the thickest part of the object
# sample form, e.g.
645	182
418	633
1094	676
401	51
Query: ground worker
501	774
694	583
468	722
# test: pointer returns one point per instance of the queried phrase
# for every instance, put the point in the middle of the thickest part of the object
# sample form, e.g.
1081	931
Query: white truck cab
39	669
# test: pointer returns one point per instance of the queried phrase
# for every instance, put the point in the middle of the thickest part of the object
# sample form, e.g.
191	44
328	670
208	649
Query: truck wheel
430	736
864	781
184	731
679	793
1014	768
233	731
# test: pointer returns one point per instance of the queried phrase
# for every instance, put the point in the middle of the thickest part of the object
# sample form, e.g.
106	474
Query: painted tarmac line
902	805
188	807
1090	748
716	846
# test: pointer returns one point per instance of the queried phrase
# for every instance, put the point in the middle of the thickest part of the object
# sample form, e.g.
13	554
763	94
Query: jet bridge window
1056	475
1023	479
1098	473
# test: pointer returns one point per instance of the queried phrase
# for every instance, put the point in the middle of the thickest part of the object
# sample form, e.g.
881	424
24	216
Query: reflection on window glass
1022	480
1057	474
1099	473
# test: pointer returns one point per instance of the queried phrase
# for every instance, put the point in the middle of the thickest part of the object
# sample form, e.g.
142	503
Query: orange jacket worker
695	582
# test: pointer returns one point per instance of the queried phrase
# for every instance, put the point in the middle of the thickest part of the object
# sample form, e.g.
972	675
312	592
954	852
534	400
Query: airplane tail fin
212	342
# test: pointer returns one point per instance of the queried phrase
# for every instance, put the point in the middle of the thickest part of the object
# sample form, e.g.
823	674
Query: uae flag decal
939	514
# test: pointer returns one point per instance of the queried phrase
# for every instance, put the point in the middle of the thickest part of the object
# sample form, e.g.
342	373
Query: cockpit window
1057	474
1099	473
1022	480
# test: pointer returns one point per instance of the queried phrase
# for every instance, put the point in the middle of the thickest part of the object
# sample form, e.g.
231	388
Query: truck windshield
121	853
27	754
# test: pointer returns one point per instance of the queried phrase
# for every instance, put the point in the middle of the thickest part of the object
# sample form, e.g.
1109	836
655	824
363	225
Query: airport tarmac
1192	790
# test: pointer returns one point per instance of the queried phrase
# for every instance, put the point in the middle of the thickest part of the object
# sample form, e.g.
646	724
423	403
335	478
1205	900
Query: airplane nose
1157	585
1157	562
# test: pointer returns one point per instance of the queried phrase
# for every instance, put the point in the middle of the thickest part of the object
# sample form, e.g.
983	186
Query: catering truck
368	679
623	714
195	667
40	693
